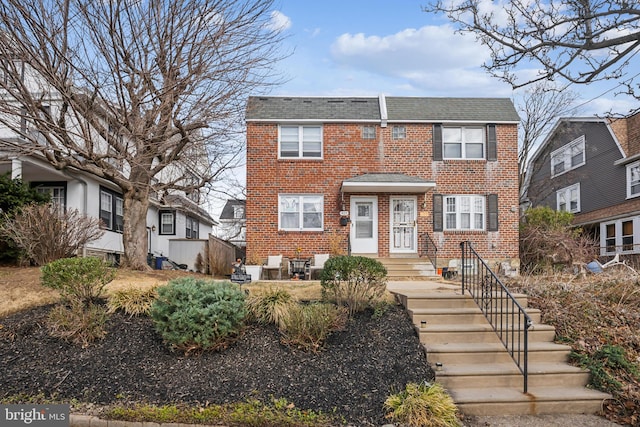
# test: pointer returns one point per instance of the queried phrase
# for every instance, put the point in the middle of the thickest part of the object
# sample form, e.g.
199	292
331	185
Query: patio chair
317	265
274	263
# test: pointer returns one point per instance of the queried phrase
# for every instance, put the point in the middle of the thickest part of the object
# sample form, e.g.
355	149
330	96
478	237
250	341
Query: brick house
591	167
382	176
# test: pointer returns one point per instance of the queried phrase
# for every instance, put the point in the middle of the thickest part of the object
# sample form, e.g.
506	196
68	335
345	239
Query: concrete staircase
408	268
473	365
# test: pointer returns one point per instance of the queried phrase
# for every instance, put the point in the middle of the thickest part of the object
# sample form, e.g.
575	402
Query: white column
16	169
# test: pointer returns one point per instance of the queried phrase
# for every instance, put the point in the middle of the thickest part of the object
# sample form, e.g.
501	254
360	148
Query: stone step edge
535	346
539	394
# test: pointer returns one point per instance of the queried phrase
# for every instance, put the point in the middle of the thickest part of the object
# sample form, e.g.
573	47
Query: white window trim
172	215
399	132
629	167
463	150
300	143
301	198
472	212
618	246
565	152
366	132
567	192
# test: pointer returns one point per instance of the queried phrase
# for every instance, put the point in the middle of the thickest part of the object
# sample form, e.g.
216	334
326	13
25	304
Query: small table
298	267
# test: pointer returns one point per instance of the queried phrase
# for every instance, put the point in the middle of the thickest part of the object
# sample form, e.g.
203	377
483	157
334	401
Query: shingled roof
380	109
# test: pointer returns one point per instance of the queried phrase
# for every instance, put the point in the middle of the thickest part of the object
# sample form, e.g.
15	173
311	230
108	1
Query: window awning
386	183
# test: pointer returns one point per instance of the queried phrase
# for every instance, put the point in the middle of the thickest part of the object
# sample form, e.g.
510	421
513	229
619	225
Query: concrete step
477	333
409	268
475	375
454	353
465	315
428	299
538	401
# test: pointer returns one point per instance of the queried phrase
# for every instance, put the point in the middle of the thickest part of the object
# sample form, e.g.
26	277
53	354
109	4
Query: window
618	236
611	237
300	212
192	228
300	141
568	198
633	179
111	210
568	157
238	212
368	132
167	222
56	192
399	132
463	142
627	235
464	212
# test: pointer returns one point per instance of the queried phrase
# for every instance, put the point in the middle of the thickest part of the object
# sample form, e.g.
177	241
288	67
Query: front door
403	225
364	225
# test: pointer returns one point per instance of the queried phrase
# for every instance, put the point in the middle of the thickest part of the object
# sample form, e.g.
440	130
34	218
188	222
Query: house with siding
591	167
232	223
382	176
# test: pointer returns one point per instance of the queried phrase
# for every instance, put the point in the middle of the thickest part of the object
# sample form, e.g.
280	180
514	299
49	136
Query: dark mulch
359	368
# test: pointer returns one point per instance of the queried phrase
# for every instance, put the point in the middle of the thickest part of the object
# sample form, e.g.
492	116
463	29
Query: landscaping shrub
78	279
423	405
45	233
353	281
307	326
197	314
78	323
133	301
269	306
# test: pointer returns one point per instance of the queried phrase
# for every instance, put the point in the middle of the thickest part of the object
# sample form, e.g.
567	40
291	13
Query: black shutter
437	212
437	142
492	212
492	143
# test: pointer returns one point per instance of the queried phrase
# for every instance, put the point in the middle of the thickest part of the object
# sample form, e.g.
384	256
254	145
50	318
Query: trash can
159	261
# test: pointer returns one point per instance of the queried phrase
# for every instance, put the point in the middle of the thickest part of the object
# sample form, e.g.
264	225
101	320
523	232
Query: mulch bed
353	375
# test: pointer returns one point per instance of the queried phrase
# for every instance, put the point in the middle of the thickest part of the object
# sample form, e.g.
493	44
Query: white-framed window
301	212
368	132
299	142
238	212
568	157
111	210
399	132
467	142
464	212
192	226
633	180
56	193
568	198
167	222
618	236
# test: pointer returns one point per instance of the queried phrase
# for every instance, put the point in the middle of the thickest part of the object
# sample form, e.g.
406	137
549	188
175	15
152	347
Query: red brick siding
347	155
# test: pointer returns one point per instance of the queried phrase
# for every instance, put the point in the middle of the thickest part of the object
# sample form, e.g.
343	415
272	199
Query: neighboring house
591	167
383	176
172	219
232	223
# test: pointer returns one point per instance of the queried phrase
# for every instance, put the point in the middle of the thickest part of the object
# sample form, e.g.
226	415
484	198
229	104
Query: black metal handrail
430	250
499	306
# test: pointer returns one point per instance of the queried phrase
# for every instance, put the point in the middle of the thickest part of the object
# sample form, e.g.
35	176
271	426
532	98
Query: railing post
462	266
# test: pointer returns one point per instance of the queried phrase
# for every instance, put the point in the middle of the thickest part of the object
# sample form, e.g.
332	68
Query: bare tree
540	106
580	41
147	94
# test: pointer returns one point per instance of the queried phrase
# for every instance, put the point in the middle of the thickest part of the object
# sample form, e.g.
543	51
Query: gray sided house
232	225
591	167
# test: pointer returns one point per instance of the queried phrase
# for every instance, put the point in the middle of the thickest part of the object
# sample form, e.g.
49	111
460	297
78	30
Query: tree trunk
134	236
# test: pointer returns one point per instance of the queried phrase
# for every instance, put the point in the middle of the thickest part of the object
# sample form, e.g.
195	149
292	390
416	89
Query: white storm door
364	225
404	236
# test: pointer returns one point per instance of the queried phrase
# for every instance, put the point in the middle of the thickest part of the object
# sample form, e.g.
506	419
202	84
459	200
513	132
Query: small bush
270	306
78	323
133	301
353	281
308	326
603	364
78	279
423	405
194	314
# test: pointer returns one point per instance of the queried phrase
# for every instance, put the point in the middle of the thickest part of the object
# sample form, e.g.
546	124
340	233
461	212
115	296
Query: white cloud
433	58
279	21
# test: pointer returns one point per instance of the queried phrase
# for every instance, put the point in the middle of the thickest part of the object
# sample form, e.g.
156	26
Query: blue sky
368	47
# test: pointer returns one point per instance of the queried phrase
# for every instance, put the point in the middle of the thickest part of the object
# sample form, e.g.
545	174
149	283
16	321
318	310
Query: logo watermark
34	415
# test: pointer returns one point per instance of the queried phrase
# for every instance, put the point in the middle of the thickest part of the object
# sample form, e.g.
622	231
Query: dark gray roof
398	109
451	109
227	210
386	177
312	108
